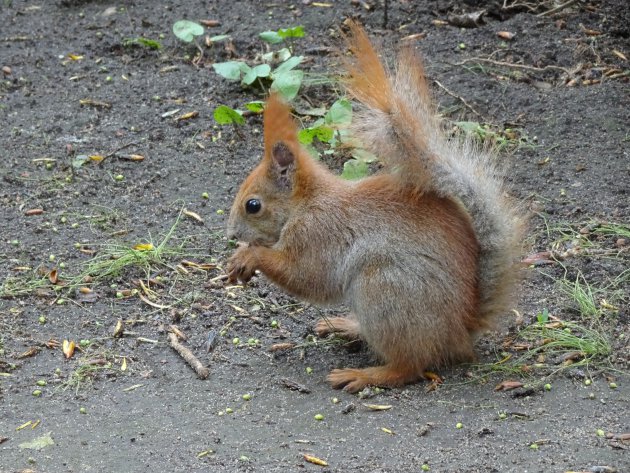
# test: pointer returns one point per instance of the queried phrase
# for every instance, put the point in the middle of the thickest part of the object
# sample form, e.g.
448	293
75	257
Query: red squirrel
422	252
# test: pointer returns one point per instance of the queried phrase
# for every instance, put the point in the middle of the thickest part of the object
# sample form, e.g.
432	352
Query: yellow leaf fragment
387	431
118	330
136	157
123	365
74	57
619	54
68	347
378	407
187	116
322	4
193	215
439	22
36	423
144	247
24	425
97	158
314	460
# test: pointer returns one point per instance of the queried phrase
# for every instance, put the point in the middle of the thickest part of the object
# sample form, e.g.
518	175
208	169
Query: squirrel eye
253	206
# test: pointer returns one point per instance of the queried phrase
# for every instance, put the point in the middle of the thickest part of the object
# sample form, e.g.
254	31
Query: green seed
57	371
587	382
119	177
229	410
274	324
502	415
534	446
459	425
63	219
42	319
205	195
319	417
251	341
51	258
220	212
75	225
84	343
591	395
15	242
612	385
461	45
119	295
309	370
223	333
425	467
335	400
600	433
42	382
247	397
60	301
62	265
82	410
547	387
235	340
37	393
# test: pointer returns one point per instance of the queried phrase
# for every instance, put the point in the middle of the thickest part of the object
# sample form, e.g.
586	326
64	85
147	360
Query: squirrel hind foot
345	327
354	380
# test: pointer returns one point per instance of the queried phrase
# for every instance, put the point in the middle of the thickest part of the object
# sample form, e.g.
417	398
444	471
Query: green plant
508	138
140	41
187	30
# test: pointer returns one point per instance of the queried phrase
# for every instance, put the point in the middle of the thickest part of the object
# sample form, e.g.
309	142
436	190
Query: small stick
557	9
452	94
511	64
187	355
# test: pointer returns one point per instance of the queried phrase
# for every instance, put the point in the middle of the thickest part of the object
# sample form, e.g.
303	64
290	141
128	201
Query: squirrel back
422	253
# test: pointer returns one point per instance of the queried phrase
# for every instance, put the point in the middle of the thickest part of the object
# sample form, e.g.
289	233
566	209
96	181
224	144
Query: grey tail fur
398	124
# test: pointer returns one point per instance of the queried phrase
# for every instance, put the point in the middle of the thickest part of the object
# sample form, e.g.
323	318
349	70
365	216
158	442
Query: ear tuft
282	155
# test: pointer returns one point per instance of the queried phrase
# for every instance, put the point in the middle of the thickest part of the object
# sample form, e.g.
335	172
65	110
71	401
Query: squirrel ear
282	155
283	167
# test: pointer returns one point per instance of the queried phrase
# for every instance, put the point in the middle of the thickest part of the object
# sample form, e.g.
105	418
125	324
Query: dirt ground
130	403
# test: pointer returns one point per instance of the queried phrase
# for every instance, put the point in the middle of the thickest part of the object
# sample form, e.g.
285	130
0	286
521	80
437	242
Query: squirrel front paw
242	264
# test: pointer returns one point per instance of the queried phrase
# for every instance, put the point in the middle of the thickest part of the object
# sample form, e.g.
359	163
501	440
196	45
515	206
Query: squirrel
423	252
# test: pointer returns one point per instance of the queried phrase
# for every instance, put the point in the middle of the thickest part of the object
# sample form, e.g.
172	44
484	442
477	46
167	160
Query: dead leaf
118	329
619	54
53	276
210	23
32	351
439	22
68	347
314	460
506	35
412	37
467	20
508	385
281	346
95	103
378	407
30	212
187	116
193	215
75	57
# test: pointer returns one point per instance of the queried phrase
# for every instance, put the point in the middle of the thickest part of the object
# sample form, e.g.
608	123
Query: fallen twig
452	94
558	8
511	64
187	355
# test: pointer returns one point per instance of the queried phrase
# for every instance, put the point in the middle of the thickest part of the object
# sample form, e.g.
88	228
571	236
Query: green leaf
340	113
186	30
364	156
295	32
230	70
288	64
261	70
271	37
80	160
256	106
288	84
323	133
469	127
225	115
355	169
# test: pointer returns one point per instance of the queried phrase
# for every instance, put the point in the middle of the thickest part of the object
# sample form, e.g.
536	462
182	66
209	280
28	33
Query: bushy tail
398	124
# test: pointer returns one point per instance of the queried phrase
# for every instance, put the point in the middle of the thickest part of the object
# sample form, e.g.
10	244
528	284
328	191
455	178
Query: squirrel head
271	192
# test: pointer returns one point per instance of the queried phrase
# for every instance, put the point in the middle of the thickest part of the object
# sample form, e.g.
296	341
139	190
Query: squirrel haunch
422	254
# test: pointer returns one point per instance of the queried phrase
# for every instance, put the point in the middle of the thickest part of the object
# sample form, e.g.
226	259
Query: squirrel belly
422	253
